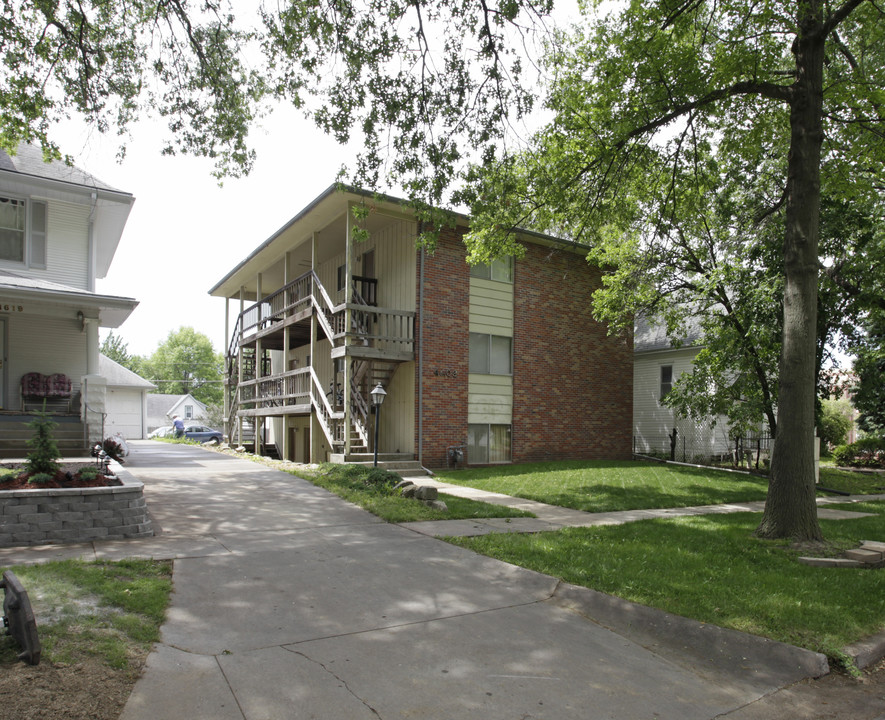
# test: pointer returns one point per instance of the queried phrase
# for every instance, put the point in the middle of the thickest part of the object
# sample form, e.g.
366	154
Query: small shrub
381	478
868	452
41	478
88	473
44	454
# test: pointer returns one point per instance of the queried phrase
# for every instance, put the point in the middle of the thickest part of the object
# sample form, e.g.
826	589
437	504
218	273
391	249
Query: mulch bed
68	476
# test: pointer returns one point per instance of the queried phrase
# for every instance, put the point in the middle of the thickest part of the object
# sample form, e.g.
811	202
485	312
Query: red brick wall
446	349
572	385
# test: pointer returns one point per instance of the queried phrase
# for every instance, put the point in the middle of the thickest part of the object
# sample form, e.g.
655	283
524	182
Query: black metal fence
704	446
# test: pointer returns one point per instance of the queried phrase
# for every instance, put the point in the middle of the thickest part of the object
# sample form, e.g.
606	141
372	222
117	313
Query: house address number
446	373
10	307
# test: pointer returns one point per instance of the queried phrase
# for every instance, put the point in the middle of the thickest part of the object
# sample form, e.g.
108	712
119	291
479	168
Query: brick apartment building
503	359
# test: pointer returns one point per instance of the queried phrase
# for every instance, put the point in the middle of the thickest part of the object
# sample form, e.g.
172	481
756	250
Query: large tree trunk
791	510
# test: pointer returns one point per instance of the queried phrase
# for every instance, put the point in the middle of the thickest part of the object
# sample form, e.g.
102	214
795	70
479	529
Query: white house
59	231
161	408
656	367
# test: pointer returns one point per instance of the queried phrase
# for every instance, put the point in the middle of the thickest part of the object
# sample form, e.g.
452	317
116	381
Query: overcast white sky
185	232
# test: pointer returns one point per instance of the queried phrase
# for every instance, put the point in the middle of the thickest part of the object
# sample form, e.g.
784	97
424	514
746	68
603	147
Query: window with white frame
488	444
188	412
491	354
500	270
23	231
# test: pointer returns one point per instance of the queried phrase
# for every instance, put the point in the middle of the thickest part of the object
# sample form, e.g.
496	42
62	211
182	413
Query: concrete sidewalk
553	517
291	603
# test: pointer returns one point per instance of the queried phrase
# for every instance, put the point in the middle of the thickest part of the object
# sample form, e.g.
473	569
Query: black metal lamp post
378	395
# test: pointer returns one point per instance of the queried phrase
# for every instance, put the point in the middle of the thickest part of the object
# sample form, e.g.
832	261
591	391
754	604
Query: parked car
165	431
201	433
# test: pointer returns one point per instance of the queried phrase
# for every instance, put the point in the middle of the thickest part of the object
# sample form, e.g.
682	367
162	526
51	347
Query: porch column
240	364
284	445
225	387
90	326
348	291
313	335
259	365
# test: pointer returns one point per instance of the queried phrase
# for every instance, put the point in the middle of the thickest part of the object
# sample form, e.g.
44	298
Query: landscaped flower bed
38	514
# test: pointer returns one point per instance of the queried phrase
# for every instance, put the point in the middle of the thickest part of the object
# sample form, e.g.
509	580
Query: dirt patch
68	476
87	690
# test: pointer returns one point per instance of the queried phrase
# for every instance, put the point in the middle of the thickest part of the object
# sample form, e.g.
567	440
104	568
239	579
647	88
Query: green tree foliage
869	367
424	83
692	147
115	348
111	62
836	418
186	362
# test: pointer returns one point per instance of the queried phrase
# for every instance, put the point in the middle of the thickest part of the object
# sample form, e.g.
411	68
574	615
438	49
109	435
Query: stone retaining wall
69	515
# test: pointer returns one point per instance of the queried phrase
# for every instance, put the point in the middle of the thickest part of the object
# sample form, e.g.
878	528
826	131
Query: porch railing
288	388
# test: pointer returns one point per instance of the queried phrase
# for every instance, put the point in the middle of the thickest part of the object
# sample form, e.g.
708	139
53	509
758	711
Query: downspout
421	360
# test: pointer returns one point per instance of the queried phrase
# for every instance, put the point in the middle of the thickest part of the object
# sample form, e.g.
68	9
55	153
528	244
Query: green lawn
606	485
851	482
110	610
353	483
711	568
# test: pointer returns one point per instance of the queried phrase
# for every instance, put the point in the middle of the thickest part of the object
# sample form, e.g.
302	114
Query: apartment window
23	231
487	444
188	412
500	270
491	354
666	380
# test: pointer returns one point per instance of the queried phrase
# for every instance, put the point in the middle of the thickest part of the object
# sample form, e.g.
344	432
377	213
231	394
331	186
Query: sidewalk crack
338	678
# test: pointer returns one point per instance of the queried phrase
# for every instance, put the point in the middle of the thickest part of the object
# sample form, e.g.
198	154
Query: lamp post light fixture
378	394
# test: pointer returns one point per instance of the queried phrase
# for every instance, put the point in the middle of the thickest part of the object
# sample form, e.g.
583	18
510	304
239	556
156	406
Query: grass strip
608	485
372	490
109	610
711	568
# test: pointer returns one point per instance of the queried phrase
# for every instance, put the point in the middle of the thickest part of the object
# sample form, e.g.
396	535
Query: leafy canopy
186	363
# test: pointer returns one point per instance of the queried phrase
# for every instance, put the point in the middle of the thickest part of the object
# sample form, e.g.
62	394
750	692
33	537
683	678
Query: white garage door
124	414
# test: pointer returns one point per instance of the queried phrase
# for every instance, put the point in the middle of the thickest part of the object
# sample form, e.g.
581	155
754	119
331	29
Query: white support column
348	291
313	335
259	365
225	381
90	327
240	362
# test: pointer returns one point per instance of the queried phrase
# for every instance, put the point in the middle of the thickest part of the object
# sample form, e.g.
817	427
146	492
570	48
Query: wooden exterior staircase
373	340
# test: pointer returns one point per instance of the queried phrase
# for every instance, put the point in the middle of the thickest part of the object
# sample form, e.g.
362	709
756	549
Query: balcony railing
276	391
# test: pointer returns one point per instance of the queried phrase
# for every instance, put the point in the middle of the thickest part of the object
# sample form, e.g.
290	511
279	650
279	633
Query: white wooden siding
395	264
45	345
67	251
653	421
397	431
491	307
490	399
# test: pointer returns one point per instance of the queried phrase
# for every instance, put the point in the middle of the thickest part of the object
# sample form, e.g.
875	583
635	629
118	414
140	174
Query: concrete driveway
291	603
